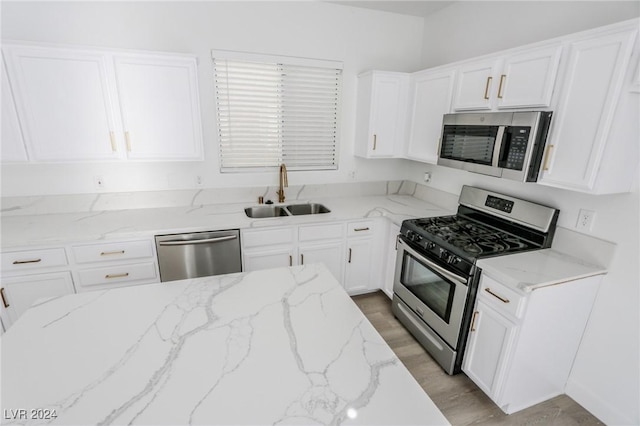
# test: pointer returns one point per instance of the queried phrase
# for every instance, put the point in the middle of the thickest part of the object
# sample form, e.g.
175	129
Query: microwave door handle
497	147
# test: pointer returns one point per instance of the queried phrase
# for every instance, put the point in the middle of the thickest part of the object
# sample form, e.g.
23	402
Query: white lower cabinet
521	346
21	292
115	264
347	250
391	253
362	262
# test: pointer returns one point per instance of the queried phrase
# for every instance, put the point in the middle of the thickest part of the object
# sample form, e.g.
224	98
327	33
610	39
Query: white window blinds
271	112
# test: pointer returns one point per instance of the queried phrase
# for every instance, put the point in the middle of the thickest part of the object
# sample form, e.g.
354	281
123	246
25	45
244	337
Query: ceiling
420	8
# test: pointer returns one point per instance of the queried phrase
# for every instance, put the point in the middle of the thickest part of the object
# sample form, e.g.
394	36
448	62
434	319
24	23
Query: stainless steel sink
311	208
266	211
289	210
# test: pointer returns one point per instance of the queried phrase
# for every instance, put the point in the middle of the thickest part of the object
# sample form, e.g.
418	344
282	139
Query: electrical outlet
98	182
427	177
199	181
585	220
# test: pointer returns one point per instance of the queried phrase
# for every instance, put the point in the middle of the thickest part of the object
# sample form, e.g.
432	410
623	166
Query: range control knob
431	245
453	259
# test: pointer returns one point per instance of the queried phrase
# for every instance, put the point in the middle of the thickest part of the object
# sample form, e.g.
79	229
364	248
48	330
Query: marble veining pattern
281	346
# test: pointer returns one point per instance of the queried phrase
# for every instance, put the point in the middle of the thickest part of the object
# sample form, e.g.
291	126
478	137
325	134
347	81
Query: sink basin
266	211
290	210
312	208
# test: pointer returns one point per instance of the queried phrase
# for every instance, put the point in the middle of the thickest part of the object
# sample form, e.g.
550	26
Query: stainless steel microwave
501	144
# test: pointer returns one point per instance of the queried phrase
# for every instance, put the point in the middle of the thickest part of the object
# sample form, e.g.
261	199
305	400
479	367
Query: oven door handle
445	273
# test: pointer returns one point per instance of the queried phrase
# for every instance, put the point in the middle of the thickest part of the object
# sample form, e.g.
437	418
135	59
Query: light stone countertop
535	269
49	229
279	346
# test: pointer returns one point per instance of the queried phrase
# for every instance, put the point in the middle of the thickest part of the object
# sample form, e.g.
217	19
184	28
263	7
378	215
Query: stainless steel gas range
436	277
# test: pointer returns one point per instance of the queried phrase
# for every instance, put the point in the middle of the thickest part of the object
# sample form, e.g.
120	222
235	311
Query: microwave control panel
517	150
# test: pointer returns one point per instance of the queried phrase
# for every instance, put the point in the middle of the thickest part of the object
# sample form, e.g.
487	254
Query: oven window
433	290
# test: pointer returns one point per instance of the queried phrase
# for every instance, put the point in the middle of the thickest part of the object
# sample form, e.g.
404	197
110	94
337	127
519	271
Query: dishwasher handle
201	241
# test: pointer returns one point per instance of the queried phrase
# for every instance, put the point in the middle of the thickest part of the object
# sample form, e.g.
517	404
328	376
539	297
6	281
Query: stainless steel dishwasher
200	254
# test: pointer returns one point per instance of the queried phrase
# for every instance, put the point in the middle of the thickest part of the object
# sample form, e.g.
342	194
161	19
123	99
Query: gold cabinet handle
473	321
502	299
109	253
486	88
112	137
375	141
4	299
547	155
110	276
22	262
127	138
349	261
502	78
361	229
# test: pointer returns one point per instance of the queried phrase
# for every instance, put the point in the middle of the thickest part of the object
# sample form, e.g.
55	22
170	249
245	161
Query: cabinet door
64	99
13	149
20	293
330	253
381	115
160	107
490	340
391	253
527	79
359	265
256	260
591	87
475	86
432	93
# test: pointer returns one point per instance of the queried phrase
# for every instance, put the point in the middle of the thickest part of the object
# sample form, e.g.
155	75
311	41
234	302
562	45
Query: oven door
435	294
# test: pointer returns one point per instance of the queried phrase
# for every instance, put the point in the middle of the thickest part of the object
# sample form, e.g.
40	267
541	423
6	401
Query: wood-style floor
459	399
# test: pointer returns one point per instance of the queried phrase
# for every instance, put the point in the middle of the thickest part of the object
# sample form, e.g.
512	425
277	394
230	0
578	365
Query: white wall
606	375
362	39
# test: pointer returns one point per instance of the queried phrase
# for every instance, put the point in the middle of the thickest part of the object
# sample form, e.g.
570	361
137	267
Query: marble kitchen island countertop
279	346
539	268
41	229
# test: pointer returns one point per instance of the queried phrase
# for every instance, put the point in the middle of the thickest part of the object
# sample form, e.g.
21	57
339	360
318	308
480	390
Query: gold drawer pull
502	77
473	321
547	155
127	139
502	299
112	137
109	276
361	229
22	262
486	88
4	299
109	253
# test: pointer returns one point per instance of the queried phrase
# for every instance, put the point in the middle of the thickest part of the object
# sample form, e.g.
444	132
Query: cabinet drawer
360	229
330	231
106	252
31	259
504	299
117	274
268	237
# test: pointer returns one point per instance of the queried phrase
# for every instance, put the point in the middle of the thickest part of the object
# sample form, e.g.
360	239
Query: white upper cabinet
79	104
381	115
593	141
160	106
64	99
430	92
13	149
523	79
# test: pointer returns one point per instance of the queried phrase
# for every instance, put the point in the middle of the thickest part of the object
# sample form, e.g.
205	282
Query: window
274	110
